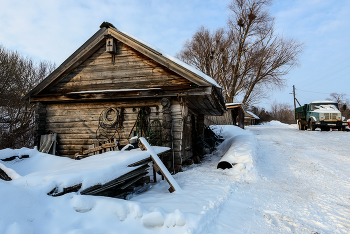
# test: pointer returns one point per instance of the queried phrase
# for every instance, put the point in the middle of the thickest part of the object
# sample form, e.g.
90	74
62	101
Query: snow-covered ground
284	181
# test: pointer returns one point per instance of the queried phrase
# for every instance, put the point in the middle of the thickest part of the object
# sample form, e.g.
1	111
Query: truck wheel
301	127
312	127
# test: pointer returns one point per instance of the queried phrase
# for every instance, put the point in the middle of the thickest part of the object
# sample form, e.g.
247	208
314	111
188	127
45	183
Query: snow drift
26	208
237	149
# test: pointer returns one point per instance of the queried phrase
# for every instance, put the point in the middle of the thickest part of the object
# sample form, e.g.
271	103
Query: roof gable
95	43
126	70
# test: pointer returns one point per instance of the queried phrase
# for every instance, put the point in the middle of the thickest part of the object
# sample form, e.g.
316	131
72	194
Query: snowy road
284	181
301	185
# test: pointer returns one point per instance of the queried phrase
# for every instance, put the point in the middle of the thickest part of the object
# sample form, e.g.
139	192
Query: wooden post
40	122
240	118
200	125
166	122
166	131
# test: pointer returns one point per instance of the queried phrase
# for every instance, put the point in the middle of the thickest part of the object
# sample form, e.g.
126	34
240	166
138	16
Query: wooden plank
70	147
128	105
131	95
106	67
124	82
99	78
98	148
84	125
173	184
94	117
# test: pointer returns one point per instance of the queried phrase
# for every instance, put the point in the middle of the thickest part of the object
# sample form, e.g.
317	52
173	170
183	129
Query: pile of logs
118	187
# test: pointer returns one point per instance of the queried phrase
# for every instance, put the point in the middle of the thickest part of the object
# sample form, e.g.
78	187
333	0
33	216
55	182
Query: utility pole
294	97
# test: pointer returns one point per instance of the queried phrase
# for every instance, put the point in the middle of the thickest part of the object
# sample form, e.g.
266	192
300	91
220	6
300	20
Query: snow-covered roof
233	104
188	67
252	114
96	169
325	101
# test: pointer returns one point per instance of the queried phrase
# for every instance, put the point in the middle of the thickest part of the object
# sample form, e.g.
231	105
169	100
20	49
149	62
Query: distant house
236	114
250	118
233	116
117	86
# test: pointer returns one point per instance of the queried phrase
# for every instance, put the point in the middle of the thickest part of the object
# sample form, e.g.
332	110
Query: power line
303	96
314	92
327	76
308	96
326	70
330	80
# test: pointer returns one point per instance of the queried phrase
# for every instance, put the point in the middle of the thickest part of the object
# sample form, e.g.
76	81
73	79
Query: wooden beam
123	95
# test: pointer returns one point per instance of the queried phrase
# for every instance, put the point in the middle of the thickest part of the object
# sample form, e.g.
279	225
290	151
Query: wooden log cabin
113	69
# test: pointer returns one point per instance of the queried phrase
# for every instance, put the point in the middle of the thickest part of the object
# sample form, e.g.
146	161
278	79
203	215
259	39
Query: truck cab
319	114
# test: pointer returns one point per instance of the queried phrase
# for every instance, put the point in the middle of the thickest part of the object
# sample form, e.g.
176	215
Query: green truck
320	114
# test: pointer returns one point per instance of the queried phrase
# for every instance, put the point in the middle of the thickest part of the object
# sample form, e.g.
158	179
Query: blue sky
52	30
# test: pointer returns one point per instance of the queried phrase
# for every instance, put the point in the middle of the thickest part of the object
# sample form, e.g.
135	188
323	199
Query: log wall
76	123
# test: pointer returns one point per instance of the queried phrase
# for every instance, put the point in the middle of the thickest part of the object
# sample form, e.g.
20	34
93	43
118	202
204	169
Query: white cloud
52	30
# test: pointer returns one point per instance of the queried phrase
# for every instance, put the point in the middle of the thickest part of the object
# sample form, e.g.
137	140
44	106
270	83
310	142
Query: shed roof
252	115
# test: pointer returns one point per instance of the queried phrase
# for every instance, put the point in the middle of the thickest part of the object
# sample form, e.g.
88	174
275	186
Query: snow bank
27	209
274	123
37	161
11	173
237	150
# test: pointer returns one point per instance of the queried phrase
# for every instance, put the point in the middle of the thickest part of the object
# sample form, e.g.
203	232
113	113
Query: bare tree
342	102
18	75
261	113
246	57
282	112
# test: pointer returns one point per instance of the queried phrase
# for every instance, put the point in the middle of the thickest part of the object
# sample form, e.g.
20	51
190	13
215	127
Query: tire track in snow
311	170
